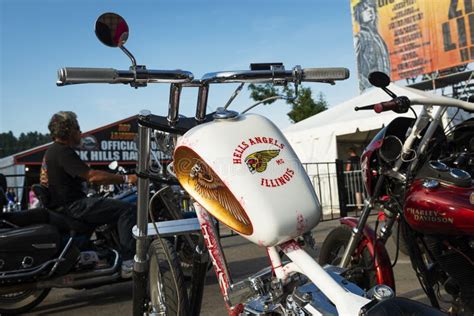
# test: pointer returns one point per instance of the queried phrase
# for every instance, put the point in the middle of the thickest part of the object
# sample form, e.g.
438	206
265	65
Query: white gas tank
244	172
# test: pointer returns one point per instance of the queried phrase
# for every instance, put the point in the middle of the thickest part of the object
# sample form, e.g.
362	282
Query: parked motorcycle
421	178
241	171
41	249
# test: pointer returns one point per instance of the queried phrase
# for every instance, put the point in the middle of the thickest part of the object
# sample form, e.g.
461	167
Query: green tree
303	105
10	145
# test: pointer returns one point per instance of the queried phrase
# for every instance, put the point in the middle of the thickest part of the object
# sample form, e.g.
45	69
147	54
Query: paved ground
244	259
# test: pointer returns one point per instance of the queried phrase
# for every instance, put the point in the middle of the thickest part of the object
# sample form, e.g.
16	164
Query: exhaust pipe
59	283
69	280
63	282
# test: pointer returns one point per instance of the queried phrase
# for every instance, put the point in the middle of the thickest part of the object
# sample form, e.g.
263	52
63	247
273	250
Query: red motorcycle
421	178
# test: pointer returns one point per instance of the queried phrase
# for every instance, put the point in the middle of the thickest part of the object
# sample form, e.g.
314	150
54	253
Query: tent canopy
315	138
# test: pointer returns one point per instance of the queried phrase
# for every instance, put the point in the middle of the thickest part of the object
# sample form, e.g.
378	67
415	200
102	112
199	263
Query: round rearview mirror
113	165
111	29
379	79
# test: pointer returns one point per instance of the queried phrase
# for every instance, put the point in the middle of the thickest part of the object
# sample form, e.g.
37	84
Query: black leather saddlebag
27	247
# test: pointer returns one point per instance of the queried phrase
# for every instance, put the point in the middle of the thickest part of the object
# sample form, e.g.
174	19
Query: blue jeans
100	211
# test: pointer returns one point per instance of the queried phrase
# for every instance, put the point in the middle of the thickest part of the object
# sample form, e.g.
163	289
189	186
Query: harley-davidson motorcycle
421	178
241	171
41	249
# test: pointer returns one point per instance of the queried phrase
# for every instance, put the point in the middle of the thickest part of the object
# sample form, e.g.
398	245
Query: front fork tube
356	235
140	267
358	231
211	238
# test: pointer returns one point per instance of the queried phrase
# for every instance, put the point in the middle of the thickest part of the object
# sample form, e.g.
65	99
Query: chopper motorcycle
240	170
422	180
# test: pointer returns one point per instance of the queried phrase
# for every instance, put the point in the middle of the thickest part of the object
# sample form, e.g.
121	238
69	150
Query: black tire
161	279
361	269
21	302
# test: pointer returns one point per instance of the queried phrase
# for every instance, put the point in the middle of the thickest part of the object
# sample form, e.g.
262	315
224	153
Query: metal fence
354	189
323	176
340	192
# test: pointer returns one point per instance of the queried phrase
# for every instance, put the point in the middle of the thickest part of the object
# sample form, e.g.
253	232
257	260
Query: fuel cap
430	184
380	292
223	114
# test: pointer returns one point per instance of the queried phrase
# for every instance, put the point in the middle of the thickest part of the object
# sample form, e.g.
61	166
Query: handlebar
401	104
140	76
398	104
77	75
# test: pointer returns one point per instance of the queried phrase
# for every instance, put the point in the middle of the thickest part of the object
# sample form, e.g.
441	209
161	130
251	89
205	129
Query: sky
40	36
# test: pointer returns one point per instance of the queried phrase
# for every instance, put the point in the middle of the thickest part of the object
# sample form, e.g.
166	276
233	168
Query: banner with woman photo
408	38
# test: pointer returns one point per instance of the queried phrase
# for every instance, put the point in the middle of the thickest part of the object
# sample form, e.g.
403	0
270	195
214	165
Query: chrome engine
263	294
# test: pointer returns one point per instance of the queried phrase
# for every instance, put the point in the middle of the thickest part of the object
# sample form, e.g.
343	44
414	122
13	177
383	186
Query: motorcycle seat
26	217
45	216
400	306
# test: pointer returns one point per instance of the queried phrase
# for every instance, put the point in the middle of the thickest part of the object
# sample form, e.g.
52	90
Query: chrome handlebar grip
76	75
325	74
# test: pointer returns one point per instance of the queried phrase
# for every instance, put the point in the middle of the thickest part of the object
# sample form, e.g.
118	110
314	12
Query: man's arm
104	177
74	166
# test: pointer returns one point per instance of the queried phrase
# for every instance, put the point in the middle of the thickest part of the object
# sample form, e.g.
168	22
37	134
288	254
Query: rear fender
384	271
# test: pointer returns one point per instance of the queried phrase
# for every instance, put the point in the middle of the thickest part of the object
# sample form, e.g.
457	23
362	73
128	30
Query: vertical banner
408	38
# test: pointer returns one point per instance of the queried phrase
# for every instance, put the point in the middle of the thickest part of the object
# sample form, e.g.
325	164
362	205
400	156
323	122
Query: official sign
115	141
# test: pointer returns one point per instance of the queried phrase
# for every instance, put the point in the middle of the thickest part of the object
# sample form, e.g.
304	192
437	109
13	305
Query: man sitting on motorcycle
64	173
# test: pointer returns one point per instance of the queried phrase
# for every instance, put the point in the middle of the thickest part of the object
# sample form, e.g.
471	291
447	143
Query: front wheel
166	286
21	302
361	269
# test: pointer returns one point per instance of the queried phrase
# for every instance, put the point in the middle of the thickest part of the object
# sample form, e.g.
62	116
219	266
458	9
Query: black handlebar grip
325	74
76	75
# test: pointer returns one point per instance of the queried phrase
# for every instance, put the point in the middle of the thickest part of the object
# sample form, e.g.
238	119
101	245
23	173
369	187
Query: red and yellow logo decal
258	161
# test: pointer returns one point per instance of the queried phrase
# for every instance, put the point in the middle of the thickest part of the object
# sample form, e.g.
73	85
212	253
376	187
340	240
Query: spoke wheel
167	292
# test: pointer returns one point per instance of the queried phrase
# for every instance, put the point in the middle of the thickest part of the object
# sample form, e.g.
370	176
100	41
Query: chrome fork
357	231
